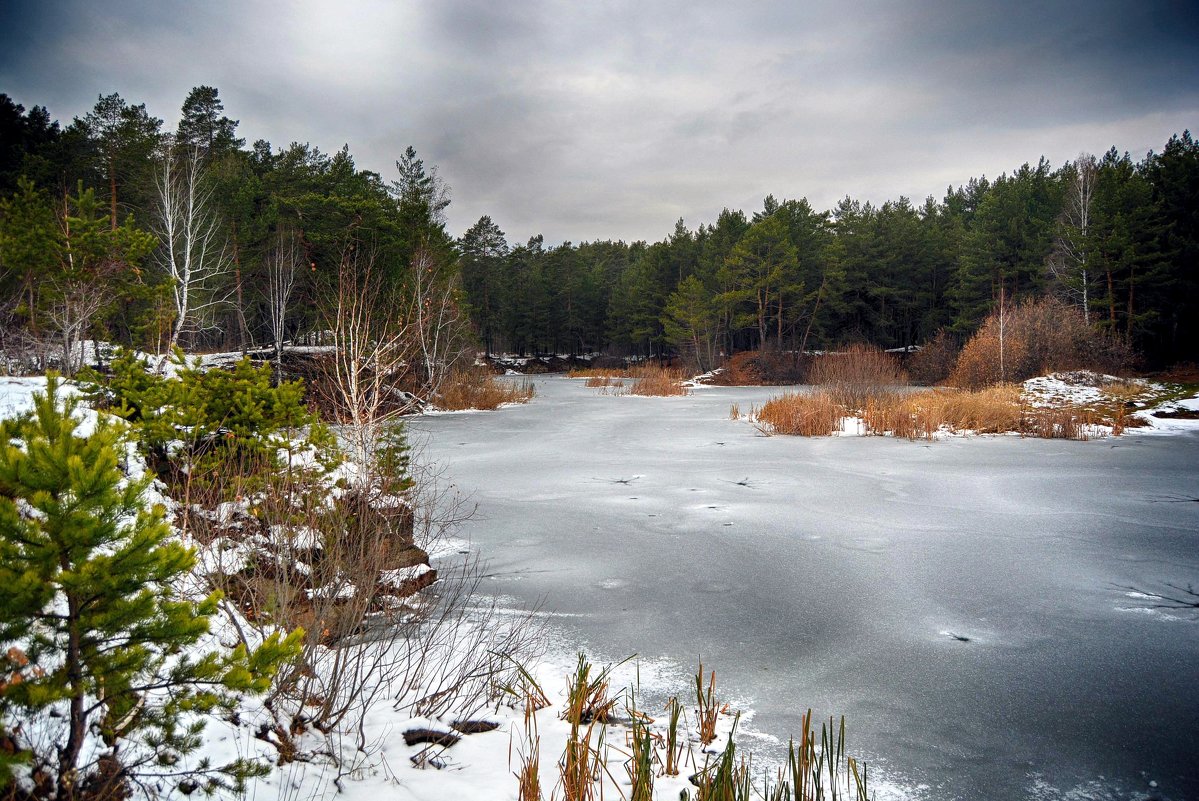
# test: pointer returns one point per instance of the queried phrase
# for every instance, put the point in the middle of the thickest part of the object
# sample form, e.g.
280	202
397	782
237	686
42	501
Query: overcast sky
596	120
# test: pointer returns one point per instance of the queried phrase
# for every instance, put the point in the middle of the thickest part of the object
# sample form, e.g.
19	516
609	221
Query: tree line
113	227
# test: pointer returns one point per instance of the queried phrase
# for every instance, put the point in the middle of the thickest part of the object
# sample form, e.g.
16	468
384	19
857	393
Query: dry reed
598	372
478	389
805	415
655	380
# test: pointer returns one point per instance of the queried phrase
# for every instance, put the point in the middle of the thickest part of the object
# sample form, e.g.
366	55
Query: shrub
201	417
1033	338
756	368
933	363
855	375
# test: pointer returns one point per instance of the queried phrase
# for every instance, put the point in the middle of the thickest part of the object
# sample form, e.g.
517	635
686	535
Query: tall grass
656	380
727	779
476	388
640	766
922	415
806	415
597	381
674	749
587	694
820	769
597	372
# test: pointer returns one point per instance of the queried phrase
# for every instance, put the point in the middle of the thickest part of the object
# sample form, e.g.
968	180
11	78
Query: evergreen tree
202	127
92	620
484	252
689	323
126	138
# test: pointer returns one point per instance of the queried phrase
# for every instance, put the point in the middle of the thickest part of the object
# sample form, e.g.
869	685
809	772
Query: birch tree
193	250
282	265
1069	262
372	340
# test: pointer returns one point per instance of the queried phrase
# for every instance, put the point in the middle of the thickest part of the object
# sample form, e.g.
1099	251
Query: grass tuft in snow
707	708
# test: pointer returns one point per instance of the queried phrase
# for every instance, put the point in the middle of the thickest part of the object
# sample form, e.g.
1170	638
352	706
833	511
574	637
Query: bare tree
437	323
193	249
372	341
281	267
76	305
1068	262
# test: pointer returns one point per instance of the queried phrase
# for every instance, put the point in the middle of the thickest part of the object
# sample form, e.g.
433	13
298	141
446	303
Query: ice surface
963	602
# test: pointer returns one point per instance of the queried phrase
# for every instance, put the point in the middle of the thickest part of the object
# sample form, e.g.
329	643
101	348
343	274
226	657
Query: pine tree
99	645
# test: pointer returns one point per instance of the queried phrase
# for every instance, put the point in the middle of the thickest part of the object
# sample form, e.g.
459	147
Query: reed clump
605	381
476	388
597	372
656	380
798	414
921	415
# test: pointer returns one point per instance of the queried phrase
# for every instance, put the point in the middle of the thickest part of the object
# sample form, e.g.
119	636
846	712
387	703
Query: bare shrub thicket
933	363
1033	338
855	375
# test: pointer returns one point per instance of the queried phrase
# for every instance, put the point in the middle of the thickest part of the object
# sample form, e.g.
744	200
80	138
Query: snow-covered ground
964	602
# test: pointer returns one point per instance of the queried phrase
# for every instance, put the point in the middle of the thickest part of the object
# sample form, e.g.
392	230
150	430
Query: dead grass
597	381
856	375
655	380
476	388
921	415
804	415
597	372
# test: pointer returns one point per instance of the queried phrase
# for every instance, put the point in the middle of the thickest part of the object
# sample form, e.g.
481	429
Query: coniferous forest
113	227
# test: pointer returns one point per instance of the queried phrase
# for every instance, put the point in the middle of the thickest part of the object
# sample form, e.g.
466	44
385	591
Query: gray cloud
612	119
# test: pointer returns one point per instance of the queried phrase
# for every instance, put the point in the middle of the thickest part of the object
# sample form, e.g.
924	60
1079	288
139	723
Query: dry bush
933	363
1038	336
758	368
805	415
656	380
478	388
855	375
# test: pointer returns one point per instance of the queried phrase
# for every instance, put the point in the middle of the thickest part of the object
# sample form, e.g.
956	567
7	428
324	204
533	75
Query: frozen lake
831	573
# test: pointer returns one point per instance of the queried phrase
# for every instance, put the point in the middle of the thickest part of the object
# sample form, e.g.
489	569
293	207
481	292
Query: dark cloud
614	118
